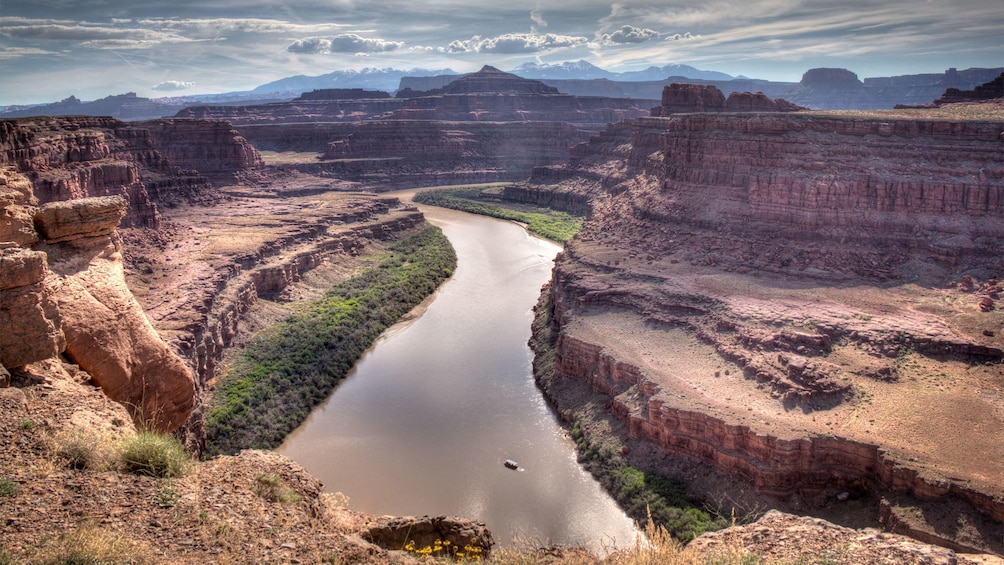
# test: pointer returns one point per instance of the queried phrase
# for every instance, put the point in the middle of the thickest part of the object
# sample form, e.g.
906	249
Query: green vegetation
293	366
8	487
545	222
643	494
155	455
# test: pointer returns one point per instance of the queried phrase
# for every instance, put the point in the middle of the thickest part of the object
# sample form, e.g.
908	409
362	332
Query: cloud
173	85
538	17
82	32
344	43
352	43
18	52
630	34
678	37
310	45
511	43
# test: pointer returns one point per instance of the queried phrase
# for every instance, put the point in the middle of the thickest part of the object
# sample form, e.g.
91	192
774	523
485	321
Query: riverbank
487	201
288	368
601	443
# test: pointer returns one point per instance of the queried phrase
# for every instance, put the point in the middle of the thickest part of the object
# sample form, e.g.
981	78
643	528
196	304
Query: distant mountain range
584	70
579	78
370	78
386	79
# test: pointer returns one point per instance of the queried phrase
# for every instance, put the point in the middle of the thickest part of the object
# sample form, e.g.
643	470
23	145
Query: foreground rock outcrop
798	301
68	295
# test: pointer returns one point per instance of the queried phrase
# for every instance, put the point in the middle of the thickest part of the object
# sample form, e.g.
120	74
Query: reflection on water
426	419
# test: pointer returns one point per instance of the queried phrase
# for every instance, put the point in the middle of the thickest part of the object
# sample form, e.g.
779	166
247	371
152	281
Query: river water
424	422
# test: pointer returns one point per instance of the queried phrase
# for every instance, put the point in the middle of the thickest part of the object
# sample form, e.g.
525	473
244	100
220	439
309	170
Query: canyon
802	305
806	301
485	127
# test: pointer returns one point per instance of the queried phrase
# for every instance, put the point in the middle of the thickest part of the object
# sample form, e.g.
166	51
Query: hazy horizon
53	49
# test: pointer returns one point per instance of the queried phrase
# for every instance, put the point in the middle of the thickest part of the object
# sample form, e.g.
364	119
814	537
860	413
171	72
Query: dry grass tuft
79	449
91	545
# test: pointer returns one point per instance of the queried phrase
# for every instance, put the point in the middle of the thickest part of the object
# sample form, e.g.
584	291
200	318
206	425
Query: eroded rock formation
680	98
107	333
487	126
146	162
396	154
770	294
67	294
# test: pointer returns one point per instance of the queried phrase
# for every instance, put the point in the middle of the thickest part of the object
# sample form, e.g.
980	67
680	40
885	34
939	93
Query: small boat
511	464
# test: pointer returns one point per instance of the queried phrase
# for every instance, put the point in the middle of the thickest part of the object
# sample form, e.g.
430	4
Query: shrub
155	455
8	488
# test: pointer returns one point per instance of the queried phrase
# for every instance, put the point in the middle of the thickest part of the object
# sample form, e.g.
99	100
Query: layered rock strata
197	288
768	294
397	154
149	163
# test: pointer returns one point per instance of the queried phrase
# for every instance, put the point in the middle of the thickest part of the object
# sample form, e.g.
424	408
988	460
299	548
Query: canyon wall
827	268
776	191
398	154
164	161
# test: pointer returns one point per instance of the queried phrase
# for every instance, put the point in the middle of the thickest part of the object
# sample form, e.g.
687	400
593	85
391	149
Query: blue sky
52	49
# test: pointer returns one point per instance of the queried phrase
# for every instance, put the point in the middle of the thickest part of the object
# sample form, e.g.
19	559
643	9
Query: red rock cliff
749	285
67	294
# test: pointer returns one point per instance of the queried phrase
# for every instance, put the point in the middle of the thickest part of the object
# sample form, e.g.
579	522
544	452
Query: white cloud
630	34
82	32
678	37
511	43
173	85
352	43
344	43
310	45
17	52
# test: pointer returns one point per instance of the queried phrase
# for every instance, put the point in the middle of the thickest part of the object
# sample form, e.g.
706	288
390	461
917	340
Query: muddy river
427	418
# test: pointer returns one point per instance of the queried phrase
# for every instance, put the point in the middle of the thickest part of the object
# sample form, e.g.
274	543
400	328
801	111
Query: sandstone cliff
67	294
772	295
686	98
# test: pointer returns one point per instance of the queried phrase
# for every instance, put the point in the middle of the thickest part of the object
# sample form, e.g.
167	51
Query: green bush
8	487
155	455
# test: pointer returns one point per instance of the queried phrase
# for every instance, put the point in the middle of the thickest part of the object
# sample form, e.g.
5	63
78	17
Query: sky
52	49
